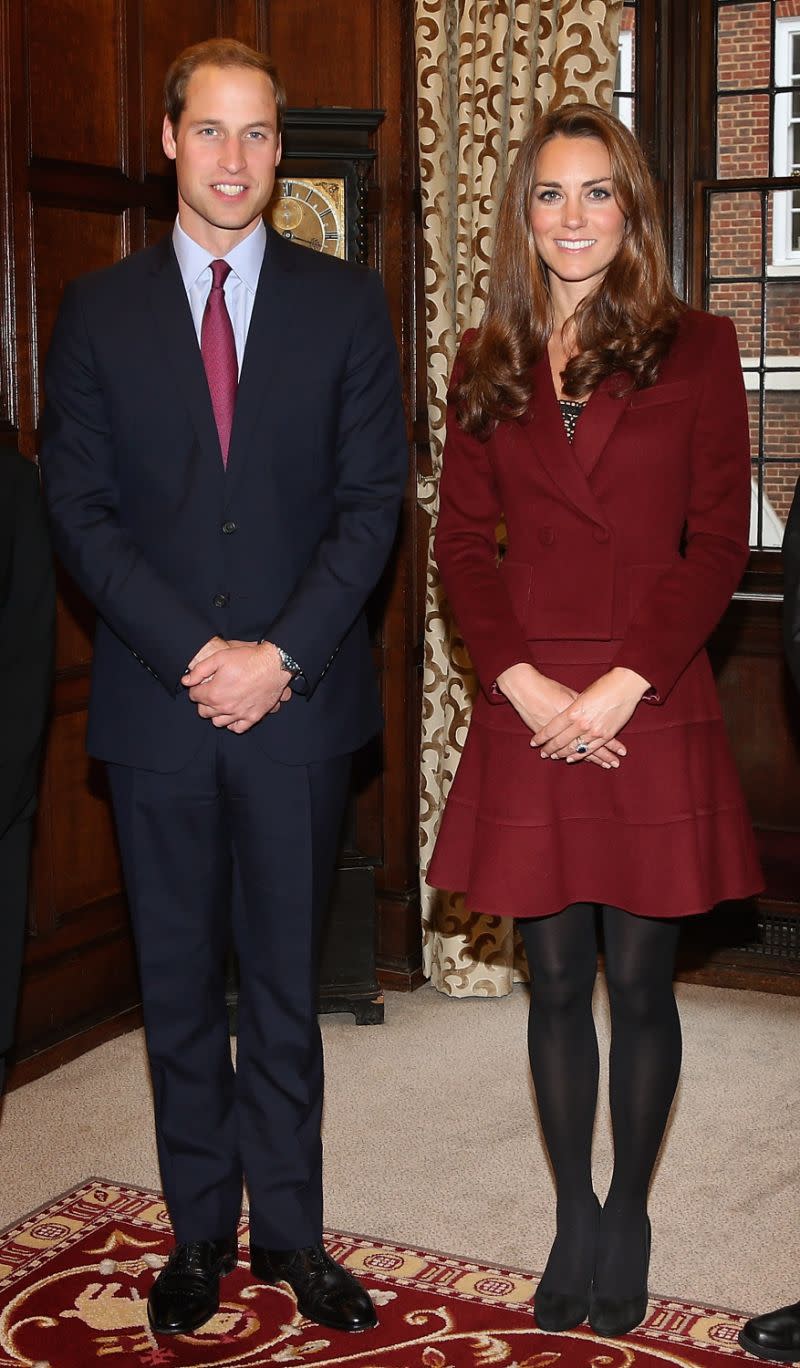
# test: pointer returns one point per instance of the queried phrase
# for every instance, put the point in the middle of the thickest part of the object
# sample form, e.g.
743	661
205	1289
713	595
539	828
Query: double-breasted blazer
173	548
623	549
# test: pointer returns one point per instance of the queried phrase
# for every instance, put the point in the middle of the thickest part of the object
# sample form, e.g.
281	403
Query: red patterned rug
74	1279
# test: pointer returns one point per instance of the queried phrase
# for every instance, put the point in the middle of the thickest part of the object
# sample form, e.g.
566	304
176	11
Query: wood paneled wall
85	182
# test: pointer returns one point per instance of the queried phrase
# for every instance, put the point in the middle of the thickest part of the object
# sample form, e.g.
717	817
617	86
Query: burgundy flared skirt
666	835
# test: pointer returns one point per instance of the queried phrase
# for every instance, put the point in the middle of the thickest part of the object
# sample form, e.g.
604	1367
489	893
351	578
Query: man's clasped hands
236	683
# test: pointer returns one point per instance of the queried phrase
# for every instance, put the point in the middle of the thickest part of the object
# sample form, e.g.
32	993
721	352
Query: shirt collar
244	259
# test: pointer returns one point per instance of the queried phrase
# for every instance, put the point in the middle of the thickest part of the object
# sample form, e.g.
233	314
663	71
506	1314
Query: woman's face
576	222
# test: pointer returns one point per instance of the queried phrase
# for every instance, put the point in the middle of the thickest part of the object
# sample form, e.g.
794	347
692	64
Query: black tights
644	1067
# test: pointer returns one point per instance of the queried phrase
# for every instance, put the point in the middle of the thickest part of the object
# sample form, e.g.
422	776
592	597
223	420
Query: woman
607	424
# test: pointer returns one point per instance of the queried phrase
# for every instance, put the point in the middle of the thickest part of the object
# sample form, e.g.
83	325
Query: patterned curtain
483	68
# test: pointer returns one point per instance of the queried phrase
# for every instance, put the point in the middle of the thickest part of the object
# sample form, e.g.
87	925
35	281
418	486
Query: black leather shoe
614	1316
326	1293
186	1292
775	1335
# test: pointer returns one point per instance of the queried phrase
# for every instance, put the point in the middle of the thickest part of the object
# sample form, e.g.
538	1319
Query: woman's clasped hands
562	720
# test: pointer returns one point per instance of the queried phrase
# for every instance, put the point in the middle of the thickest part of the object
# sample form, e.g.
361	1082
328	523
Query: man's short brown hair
218	52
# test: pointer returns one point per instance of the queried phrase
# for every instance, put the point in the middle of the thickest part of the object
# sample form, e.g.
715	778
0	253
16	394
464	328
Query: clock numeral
288	189
332	236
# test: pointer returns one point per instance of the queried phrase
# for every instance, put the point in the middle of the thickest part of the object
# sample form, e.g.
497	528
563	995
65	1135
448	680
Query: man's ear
279	153
168	139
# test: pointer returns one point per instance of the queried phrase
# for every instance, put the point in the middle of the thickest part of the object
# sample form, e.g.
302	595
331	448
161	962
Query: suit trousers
15	847
234	846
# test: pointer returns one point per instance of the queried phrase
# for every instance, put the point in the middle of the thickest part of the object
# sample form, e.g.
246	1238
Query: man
27	610
224	456
776	1334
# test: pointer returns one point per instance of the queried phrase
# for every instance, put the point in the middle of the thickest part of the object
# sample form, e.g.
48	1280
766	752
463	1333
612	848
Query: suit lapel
265	336
181	351
553	447
596	424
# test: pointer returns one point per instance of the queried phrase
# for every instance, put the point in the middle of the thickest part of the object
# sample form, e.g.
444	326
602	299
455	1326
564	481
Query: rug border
356	1235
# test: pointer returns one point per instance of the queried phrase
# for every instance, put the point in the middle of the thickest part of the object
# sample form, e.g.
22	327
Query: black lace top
571	410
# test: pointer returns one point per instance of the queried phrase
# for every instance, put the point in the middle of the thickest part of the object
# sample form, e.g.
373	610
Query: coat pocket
660	394
641	580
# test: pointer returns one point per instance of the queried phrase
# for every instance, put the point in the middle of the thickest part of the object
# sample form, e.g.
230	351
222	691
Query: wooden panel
8	379
80	990
67	243
74	58
84	849
156	228
74	627
326	53
166	30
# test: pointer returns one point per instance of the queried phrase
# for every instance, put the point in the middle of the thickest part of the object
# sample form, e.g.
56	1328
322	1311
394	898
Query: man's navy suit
173	549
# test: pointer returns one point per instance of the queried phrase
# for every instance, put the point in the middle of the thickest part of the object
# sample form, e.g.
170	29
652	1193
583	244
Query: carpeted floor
430	1139
74	1279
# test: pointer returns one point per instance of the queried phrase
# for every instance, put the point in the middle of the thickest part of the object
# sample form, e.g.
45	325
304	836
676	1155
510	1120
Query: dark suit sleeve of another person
80	484
371	462
27	618
791	588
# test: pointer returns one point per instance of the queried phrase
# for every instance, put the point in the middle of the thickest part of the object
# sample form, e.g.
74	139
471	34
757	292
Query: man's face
225	148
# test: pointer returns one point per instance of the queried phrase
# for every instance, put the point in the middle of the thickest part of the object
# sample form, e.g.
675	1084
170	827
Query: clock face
311	210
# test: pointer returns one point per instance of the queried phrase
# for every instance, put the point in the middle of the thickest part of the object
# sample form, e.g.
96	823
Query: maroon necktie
219	355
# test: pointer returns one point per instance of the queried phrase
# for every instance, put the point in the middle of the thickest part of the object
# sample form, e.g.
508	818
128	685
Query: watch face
311	211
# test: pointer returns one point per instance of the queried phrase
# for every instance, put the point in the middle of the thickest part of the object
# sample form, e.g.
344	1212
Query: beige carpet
430	1138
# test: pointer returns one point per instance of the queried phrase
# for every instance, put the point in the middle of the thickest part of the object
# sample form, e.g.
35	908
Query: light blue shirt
240	288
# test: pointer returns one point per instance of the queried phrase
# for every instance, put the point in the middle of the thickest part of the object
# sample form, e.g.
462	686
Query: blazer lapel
596	424
269	323
181	351
553	447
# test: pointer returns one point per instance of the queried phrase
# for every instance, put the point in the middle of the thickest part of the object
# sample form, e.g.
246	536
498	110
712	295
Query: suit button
601	534
220	600
228	527
546	536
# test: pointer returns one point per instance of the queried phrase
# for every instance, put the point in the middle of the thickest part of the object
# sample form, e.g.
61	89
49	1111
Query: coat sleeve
27	622
81	488
371	467
791	588
466	552
676	619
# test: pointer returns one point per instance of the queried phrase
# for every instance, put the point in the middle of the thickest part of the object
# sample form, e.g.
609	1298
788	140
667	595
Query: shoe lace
191	1258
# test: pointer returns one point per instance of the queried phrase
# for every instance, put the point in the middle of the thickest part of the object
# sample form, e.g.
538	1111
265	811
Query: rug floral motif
74	1279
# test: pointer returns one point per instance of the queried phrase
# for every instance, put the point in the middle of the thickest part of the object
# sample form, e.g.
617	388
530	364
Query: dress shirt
245	261
240	288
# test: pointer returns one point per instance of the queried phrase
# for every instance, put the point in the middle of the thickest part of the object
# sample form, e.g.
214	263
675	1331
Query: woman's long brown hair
626	324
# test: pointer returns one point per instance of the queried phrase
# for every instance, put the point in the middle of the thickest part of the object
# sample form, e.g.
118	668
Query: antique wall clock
322	193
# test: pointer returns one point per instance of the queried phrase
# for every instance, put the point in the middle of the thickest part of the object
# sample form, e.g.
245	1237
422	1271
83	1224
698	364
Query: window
786	143
751	232
625	80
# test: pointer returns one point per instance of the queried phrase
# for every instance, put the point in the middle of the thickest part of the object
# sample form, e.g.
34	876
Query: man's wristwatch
287	663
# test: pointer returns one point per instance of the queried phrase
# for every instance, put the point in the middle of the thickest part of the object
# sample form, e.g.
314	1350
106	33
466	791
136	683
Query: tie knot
220	270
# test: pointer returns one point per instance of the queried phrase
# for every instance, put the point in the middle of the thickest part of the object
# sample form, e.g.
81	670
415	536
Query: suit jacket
27	619
172	548
636	535
791	587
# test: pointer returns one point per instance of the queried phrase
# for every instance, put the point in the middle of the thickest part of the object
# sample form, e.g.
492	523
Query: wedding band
581	747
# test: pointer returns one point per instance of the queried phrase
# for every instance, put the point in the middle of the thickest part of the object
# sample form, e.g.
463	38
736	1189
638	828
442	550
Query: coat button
546	536
228	527
601	534
220	600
